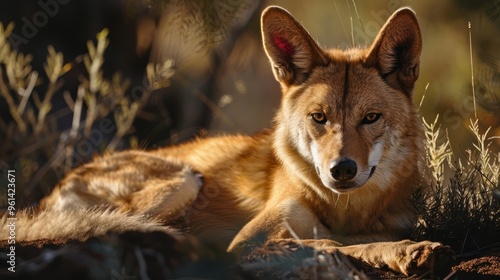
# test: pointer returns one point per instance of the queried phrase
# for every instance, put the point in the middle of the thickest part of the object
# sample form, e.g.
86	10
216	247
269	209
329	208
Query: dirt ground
163	257
475	268
486	267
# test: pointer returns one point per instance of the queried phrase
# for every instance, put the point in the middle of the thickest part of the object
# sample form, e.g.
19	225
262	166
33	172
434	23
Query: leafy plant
33	141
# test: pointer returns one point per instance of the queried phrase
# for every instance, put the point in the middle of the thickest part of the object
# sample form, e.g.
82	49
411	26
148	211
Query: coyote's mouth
345	187
350	185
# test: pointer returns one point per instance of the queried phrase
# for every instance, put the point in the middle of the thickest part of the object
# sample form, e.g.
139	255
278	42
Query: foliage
33	142
464	210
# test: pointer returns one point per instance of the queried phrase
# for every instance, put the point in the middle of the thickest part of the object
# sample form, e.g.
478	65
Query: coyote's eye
319	118
371	118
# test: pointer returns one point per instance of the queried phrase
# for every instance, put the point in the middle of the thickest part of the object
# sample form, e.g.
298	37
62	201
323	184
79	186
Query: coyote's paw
423	257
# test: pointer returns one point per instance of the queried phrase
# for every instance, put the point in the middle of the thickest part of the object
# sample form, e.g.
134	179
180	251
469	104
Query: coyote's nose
344	170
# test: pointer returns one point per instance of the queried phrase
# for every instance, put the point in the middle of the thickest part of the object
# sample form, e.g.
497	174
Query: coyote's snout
346	133
346	153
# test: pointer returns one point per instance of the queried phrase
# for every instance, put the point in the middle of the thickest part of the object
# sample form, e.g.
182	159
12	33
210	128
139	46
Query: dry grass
462	209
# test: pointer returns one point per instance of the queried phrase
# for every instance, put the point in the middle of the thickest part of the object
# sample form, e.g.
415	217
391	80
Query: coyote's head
346	119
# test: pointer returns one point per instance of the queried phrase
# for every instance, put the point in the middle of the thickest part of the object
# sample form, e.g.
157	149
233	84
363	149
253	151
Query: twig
479	251
292	232
4	91
472	72
465	240
26	93
45	107
341	21
360	22
143	270
423	97
208	102
77	109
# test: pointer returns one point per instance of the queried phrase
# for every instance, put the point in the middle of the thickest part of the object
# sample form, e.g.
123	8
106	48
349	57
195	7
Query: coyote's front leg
407	257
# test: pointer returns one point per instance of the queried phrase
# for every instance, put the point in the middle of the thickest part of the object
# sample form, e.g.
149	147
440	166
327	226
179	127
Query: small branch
341	21
46	106
472	72
77	112
26	93
360	22
4	91
423	97
143	268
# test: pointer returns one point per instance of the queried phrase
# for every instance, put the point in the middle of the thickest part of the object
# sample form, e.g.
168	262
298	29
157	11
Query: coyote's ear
292	51
396	50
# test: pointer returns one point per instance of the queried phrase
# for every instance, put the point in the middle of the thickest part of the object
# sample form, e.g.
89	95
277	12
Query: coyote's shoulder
336	169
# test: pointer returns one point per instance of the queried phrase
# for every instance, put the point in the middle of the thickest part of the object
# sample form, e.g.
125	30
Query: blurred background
220	79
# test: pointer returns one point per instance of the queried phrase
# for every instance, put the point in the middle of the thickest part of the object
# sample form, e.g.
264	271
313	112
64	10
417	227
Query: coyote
336	169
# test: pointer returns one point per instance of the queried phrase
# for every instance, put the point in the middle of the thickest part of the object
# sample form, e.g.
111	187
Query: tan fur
79	224
134	181
255	186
